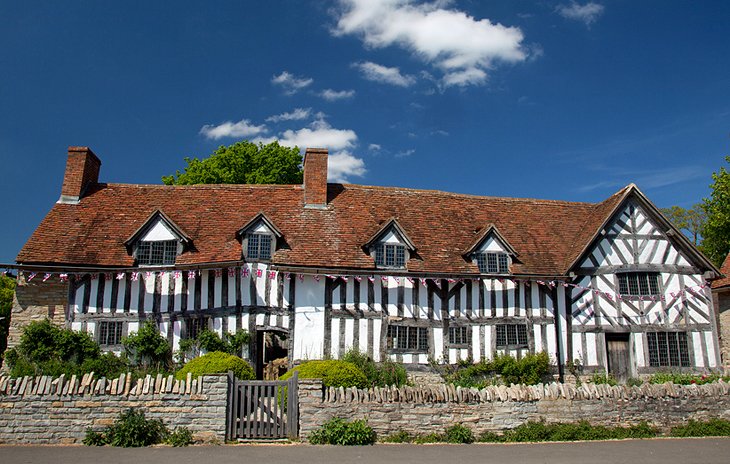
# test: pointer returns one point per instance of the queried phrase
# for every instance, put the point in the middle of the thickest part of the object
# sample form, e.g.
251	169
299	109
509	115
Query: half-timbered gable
639	296
407	275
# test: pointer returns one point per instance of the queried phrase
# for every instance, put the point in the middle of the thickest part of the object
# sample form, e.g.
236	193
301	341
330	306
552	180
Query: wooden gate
262	409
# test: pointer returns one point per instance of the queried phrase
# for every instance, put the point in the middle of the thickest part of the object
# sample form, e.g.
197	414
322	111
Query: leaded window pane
406	338
638	283
157	253
503	263
492	263
511	335
482	263
387	255
110	333
253	246
668	349
264	246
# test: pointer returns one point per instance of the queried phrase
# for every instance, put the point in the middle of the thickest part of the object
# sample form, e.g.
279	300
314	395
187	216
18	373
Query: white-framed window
404	338
258	246
668	349
638	283
459	335
493	262
390	255
511	336
109	333
156	253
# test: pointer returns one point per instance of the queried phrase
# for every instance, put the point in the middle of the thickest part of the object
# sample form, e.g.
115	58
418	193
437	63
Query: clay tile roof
725	270
547	235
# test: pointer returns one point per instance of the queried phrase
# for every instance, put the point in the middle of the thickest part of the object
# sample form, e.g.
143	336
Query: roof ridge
464	195
202	186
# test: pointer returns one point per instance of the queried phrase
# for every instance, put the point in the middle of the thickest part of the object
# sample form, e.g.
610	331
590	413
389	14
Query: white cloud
291	83
587	13
342	165
296	115
379	73
319	134
461	46
334	95
242	128
374	147
405	153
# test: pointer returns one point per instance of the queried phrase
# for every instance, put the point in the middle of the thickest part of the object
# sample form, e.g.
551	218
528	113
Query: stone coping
515	393
89	385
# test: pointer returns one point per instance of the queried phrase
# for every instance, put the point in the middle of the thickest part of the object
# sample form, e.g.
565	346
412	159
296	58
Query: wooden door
619	356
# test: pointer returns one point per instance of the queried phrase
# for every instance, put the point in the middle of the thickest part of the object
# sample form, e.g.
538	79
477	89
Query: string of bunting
246	271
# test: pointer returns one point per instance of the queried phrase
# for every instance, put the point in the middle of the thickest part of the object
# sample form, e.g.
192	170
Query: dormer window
493	262
259	238
390	247
258	246
158	242
491	252
389	255
161	253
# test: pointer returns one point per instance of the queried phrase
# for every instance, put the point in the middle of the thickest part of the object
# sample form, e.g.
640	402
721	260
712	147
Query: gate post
292	413
230	413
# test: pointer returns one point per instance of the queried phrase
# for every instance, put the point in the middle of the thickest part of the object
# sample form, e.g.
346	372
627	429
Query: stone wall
43	410
432	409
722	303
36	300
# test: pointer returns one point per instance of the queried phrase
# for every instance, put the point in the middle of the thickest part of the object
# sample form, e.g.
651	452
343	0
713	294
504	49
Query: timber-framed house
401	274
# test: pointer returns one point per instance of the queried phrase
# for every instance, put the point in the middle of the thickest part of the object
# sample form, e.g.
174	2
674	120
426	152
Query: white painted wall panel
438	342
697	340
335	338
377	327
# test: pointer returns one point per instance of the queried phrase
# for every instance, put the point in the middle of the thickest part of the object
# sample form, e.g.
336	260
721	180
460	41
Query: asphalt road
685	451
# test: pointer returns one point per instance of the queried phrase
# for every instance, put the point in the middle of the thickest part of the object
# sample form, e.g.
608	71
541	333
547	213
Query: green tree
716	232
689	221
242	163
147	348
7	289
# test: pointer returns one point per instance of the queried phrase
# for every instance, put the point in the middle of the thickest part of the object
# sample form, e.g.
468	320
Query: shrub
429	438
181	436
94	438
46	349
378	375
398	437
529	370
208	341
334	373
710	428
540	431
217	362
459	433
337	431
148	348
686	379
602	378
130	429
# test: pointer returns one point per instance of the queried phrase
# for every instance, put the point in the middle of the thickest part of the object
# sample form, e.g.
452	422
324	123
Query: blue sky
556	100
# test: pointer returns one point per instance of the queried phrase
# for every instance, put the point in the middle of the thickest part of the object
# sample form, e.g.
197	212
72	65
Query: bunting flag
694	292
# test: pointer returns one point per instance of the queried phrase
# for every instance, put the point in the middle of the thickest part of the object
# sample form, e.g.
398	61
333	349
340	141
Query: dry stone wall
433	409
44	410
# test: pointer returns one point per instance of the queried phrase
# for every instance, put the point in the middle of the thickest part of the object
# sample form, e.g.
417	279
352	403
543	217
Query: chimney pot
315	178
82	171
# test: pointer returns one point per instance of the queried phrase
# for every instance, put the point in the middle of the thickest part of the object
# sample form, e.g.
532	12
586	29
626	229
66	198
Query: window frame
103	334
639	283
260	237
399	253
195	325
147	247
659	341
460	336
501	259
520	330
409	333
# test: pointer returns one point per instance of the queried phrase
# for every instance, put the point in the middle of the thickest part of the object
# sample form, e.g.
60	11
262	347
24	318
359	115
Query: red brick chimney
315	178
82	171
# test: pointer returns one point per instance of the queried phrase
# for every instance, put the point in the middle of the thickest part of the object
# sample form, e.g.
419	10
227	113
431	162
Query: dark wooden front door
619	356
